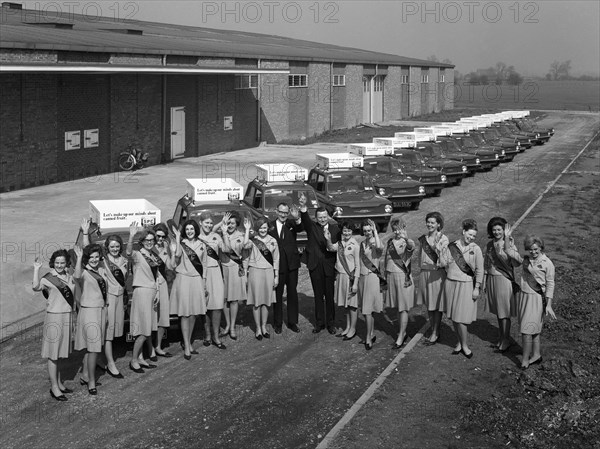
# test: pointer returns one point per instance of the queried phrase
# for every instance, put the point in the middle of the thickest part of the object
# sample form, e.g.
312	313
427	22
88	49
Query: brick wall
449	89
20	55
274	104
320	98
414	90
183	91
392	94
354	95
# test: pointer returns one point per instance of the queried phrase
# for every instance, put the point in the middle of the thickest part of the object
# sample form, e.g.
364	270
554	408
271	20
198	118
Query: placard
210	190
339	160
371	149
281	172
111	214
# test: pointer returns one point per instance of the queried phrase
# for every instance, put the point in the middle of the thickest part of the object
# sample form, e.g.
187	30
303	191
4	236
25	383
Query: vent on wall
61	25
11	5
125	31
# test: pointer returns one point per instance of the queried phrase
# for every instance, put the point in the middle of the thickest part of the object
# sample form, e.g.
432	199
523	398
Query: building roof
37	30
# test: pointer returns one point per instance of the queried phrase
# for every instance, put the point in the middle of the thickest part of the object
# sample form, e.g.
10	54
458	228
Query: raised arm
133	229
333	247
79	264
85	231
509	245
36	275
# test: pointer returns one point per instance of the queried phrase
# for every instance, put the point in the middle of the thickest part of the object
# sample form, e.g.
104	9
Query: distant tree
514	79
483	79
432	58
560	70
548	76
447	61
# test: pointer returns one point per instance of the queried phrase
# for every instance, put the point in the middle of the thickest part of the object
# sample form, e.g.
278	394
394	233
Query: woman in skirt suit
58	288
347	266
464	267
148	269
189	296
234	271
166	251
263	273
116	267
432	275
214	280
537	291
400	293
91	321
370	282
499	282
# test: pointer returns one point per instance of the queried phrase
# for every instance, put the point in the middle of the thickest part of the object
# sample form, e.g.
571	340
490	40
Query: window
366	84
297	80
339	80
404	79
246	81
424	78
378	84
442	78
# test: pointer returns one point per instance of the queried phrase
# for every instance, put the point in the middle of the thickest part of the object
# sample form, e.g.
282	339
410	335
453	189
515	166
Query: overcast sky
472	34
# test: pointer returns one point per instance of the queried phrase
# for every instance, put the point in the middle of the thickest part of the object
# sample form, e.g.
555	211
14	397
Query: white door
177	132
367	99
377	99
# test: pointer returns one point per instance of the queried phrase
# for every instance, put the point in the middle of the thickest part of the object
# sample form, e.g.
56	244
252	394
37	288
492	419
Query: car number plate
401	203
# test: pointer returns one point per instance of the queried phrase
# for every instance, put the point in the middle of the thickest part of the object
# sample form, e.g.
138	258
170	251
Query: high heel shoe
346	338
259	337
116	376
66	390
469	355
402	343
92	391
219	345
136	370
85	382
60	398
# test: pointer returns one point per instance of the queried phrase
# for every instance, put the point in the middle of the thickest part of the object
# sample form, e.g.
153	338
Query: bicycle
132	159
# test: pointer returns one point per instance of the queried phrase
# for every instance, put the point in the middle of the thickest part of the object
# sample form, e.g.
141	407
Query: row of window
251	81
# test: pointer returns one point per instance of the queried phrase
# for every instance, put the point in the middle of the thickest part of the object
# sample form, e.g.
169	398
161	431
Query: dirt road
290	390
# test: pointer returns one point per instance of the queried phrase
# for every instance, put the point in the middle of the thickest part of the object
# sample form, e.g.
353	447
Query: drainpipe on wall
163	139
258	106
331	96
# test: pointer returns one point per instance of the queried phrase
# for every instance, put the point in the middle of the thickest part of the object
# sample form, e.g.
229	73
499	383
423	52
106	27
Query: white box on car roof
112	214
281	172
441	130
371	149
396	142
459	127
339	160
211	190
424	134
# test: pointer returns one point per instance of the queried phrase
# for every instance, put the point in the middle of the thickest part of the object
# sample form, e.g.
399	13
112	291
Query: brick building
76	92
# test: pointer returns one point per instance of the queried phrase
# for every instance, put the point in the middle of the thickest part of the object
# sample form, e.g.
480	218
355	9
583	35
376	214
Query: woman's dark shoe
368	346
456	351
469	355
194	352
92	391
535	362
66	390
187	357
85	382
219	345
153	358
147	366
398	346
259	337
116	376
431	342
60	398
136	370
266	335
233	336
346	338
164	354
207	343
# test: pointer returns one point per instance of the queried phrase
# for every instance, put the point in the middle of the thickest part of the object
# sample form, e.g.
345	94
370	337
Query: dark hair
113	238
234	214
438	217
89	250
397	222
60	253
145	233
193	223
205	216
469	224
532	240
346	224
162	228
363	224
258	223
283	203
495	221
320	209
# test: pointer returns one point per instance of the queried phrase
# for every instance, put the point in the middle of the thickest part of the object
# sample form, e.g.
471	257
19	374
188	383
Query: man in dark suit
284	229
321	265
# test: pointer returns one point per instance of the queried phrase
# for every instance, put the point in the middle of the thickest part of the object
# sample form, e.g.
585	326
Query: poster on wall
228	123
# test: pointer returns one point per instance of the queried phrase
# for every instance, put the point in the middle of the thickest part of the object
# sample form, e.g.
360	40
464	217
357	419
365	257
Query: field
532	94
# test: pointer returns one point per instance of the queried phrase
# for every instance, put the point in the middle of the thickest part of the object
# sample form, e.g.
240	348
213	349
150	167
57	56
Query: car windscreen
348	182
275	196
452	145
409	158
478	139
469	142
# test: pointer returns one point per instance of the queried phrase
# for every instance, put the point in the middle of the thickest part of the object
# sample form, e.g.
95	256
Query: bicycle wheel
126	161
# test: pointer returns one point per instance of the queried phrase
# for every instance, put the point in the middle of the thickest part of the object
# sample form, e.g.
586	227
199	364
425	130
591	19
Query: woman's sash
156	264
344	261
399	262
115	271
428	249
101	282
460	261
263	249
535	286
371	266
62	287
237	259
503	267
194	259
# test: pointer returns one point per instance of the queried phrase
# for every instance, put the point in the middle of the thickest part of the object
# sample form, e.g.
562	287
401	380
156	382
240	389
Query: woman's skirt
215	287
343	296
143	312
460	306
369	295
500	298
187	296
431	290
115	315
530	309
260	287
91	327
397	295
164	306
56	339
235	285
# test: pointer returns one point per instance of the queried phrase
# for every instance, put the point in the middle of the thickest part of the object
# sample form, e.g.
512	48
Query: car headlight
381	191
503	152
338	211
388	208
444	179
477	161
537	136
497	155
421	189
464	168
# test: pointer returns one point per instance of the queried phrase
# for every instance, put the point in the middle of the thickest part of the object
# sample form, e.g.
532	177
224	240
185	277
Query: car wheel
415	206
458	182
437	192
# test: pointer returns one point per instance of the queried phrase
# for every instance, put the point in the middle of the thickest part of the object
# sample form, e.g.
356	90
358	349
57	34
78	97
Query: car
389	181
470	142
431	155
509	150
453	151
543	135
433	180
488	159
511	132
349	194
